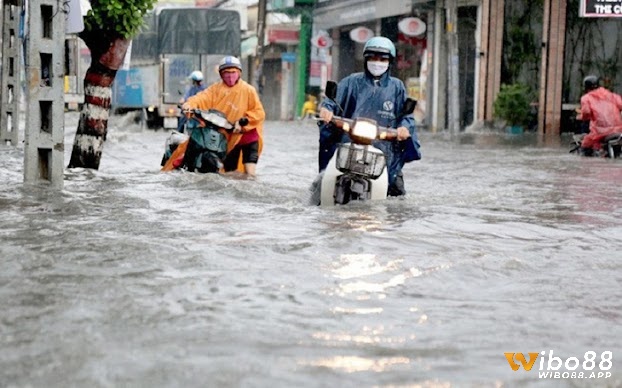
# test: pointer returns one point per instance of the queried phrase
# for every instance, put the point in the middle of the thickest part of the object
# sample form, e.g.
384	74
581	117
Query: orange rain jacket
237	101
602	108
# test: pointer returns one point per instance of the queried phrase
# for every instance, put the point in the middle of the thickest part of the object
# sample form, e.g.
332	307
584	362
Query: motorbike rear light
361	160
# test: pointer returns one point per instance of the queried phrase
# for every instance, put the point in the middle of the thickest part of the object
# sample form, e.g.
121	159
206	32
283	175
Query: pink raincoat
602	108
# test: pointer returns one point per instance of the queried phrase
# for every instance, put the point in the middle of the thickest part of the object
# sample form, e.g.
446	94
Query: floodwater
132	277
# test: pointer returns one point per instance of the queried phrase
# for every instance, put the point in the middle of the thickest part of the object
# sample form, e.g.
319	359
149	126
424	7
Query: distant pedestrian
309	108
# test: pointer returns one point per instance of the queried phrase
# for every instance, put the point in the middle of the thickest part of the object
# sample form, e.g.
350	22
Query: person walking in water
236	99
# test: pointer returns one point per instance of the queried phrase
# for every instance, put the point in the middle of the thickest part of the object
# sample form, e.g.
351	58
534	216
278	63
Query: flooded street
132	277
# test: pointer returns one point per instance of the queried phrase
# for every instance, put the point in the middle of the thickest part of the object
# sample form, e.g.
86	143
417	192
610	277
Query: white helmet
228	62
196	76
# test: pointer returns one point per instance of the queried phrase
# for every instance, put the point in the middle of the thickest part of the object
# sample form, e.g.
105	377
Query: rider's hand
326	115
402	133
237	128
185	106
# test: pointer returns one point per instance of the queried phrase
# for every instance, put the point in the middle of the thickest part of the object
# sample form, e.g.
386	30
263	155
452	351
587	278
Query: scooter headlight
364	129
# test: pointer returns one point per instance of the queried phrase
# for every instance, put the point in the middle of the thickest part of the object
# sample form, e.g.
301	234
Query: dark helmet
379	45
591	82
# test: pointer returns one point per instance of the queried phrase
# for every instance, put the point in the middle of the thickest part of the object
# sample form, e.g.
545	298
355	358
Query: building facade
417	27
564	48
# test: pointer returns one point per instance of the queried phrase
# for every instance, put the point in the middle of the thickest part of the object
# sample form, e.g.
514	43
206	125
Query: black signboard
601	8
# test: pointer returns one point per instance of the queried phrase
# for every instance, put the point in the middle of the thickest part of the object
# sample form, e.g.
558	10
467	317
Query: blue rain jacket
359	95
194	89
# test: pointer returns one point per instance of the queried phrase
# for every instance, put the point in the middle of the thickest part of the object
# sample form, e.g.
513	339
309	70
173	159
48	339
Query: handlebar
214	117
384	133
346	125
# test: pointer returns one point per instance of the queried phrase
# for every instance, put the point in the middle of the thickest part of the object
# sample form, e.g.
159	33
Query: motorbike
612	145
357	170
204	148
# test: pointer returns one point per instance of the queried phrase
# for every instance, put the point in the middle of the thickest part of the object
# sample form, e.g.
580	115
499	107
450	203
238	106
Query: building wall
413	65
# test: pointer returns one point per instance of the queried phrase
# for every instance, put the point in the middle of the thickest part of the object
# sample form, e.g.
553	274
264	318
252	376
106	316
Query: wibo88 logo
591	366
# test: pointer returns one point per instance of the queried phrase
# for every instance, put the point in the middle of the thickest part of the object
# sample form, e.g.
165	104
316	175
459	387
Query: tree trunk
106	57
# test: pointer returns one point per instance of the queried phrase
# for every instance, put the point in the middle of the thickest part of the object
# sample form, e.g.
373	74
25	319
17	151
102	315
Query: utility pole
261	32
453	69
10	91
45	121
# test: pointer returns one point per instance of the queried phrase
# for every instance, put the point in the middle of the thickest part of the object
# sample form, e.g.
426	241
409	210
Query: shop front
349	24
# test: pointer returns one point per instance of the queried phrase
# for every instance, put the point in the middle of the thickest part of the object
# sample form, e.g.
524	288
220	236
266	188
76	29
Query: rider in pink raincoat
602	108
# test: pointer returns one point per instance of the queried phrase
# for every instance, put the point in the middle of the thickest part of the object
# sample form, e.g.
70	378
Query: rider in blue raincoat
373	94
197	86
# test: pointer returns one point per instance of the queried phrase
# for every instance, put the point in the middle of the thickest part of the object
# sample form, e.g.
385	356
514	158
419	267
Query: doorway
467	26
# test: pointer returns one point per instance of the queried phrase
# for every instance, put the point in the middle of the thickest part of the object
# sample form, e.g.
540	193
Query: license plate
170	122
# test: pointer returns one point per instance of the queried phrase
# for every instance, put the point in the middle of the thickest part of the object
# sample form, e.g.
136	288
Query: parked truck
174	42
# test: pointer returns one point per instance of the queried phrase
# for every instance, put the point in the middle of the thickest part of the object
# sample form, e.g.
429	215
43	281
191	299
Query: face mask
230	78
377	68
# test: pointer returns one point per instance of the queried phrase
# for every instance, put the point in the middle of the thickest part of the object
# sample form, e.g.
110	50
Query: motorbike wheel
343	193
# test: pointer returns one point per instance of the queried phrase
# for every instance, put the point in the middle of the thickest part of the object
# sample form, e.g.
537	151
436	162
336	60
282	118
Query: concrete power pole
453	66
11	70
261	33
44	134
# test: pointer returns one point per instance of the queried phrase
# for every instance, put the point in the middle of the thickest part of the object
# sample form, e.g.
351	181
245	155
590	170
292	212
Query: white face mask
377	68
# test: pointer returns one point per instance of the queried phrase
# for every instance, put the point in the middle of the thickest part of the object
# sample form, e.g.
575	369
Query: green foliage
513	104
117	18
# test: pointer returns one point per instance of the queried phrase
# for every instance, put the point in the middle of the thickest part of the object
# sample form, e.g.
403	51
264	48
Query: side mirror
409	106
331	89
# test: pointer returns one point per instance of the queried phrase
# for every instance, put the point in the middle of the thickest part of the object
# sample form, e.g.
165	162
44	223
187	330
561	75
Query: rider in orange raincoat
602	108
236	99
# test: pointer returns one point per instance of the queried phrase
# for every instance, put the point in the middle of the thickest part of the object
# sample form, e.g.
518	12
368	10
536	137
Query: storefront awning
333	13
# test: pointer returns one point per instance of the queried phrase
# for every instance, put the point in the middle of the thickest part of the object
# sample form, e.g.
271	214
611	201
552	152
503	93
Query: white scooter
357	170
